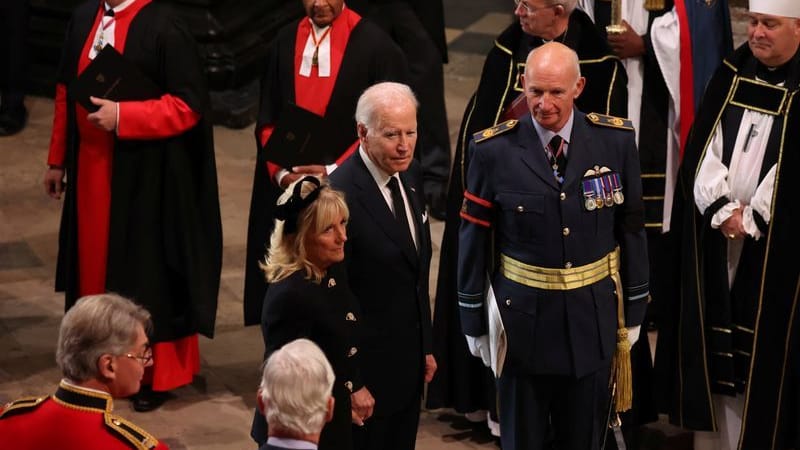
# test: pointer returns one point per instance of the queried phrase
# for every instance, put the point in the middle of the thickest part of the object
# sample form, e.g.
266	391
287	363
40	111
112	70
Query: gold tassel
621	370
654	5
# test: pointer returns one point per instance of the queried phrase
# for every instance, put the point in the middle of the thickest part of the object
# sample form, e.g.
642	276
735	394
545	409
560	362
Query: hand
104	118
301	171
430	367
361	406
54	182
627	44
733	227
479	346
633	334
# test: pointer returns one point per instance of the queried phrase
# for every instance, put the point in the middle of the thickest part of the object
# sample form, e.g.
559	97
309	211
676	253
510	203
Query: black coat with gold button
326	314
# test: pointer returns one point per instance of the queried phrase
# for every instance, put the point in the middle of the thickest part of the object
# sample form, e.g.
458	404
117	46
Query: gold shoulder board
129	432
21	406
498	129
609	121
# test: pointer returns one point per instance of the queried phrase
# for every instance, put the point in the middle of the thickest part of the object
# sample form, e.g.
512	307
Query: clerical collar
772	75
120	7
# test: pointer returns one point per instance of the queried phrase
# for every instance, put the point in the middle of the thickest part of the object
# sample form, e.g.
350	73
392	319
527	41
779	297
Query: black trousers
13	51
396	431
576	409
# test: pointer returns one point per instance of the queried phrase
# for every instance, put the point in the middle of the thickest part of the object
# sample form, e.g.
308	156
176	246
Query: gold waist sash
560	279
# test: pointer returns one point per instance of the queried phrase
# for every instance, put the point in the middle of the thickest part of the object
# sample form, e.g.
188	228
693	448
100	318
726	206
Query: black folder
301	138
111	76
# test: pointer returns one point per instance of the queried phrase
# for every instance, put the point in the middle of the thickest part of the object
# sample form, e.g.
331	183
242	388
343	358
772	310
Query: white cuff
633	334
724	213
279	176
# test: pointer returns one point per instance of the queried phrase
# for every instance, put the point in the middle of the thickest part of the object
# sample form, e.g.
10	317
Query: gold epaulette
21	406
130	433
498	129
609	121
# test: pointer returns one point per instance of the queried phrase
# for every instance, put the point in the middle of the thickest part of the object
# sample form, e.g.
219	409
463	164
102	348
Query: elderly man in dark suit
388	255
553	216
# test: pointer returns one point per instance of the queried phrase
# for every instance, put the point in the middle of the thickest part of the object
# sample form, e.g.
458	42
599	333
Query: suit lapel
580	157
532	152
417	211
375	205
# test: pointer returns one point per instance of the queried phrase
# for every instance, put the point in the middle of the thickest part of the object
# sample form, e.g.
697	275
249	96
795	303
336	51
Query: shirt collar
546	135
291	443
380	177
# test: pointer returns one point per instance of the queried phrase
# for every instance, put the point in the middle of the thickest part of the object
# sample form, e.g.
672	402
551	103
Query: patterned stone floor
215	411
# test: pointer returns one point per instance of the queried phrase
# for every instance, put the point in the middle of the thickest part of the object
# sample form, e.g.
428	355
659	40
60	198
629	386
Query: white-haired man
296	396
102	352
736	351
388	255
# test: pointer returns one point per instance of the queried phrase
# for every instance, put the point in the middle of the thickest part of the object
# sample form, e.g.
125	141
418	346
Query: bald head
552	82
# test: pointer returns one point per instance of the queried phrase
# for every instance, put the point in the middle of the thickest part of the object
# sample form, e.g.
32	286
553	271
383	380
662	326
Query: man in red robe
141	211
322	63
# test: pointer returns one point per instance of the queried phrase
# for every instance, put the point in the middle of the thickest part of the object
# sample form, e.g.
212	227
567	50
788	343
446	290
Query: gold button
520	208
349	385
568	265
331	283
508	302
352	352
565	231
350	317
563	196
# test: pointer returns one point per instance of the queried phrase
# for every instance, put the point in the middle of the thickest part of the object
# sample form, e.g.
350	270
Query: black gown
165	232
370	57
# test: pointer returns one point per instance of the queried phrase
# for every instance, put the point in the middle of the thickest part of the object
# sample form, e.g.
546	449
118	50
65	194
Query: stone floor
215	411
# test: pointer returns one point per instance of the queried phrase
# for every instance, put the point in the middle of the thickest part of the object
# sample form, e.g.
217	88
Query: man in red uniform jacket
141	210
103	351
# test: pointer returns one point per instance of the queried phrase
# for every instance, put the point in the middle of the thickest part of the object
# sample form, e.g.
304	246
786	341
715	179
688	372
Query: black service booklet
113	77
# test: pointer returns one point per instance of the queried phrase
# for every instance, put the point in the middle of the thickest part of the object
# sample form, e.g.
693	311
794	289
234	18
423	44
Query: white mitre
784	8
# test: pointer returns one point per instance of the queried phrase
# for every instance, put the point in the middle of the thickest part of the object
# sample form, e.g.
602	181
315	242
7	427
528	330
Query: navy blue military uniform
549	251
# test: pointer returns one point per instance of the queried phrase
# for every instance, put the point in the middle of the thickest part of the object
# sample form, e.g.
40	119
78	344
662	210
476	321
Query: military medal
598	189
619	198
609	198
588	195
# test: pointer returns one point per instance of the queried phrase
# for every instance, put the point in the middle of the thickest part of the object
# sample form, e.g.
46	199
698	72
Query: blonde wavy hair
287	251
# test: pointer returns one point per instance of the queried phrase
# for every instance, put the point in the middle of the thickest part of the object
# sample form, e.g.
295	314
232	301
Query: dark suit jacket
530	217
389	278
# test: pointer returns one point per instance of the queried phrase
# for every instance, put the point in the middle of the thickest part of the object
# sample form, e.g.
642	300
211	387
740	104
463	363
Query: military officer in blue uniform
553	272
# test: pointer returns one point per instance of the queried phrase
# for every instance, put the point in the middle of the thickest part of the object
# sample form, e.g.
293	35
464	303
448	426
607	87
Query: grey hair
381	95
295	388
94	326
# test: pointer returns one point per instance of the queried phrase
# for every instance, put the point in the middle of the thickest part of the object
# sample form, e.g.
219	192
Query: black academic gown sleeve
165	232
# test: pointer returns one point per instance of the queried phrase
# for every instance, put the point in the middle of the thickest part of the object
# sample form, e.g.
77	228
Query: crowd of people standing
614	172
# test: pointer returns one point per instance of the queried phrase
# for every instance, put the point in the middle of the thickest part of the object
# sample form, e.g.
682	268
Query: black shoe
12	120
147	400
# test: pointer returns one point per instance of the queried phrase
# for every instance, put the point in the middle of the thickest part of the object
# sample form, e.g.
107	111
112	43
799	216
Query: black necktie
558	159
399	207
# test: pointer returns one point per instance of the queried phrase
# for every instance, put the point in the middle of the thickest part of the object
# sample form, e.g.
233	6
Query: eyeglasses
530	9
145	359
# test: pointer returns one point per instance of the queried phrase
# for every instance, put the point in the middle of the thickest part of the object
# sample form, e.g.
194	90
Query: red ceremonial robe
174	362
